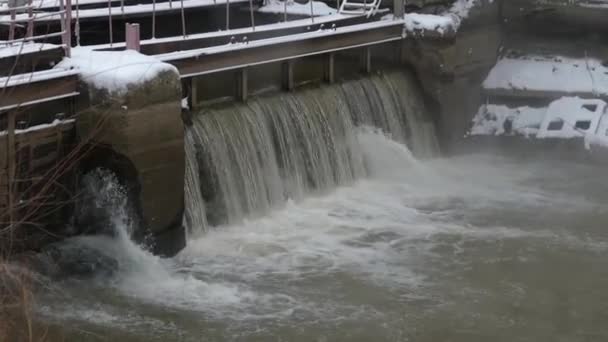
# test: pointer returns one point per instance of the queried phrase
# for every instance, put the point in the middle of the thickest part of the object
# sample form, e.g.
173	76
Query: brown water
470	248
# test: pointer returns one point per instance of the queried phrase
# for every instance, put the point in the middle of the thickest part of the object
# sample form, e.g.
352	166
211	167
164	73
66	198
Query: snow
55	123
490	120
552	74
568	111
24	48
428	22
558	120
171	56
131	10
114	70
292	7
448	22
37	76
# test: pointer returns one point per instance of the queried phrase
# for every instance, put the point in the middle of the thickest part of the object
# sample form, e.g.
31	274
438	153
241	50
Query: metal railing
20	14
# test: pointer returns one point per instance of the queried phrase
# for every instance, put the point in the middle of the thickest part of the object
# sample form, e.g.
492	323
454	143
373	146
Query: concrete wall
145	127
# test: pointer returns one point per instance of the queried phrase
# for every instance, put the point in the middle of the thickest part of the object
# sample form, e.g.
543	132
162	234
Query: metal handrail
27	15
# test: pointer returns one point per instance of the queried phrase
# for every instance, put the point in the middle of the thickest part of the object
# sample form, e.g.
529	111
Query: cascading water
195	219
463	248
254	157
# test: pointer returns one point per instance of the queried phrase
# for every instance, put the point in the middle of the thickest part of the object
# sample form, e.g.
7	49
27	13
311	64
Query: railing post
30	19
11	29
398	8
227	15
68	28
132	36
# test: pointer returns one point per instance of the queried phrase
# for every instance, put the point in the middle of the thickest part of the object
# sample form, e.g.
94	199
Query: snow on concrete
490	120
565	118
448	22
415	22
114	71
551	74
292	7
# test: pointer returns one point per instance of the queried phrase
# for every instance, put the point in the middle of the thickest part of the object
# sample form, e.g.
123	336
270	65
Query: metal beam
37	92
284	50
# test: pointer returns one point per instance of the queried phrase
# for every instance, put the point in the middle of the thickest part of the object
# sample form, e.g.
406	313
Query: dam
305	171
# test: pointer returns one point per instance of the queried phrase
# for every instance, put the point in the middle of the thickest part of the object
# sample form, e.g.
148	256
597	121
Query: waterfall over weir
253	157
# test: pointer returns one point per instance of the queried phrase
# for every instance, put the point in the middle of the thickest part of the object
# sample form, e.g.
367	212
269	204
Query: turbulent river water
399	248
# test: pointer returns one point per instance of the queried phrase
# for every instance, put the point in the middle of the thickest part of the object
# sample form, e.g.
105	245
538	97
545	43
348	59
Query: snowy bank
114	71
292	7
550	74
448	22
566	118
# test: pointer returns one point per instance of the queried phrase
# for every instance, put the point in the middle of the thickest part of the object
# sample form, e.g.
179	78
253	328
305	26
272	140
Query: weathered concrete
144	126
452	72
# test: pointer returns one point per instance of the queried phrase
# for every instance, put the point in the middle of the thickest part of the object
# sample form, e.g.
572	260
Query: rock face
138	134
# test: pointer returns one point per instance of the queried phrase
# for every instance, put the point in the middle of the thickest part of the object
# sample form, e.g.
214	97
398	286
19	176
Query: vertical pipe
399	8
11	165
11	30
63	29
30	19
122	6
251	11
285	10
154	19
68	27
132	37
312	15
77	27
110	21
227	15
183	19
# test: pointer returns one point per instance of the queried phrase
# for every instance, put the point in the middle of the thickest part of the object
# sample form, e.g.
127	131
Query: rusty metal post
132	38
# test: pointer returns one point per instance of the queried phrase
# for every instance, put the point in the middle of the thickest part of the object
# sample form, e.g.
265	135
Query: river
466	248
